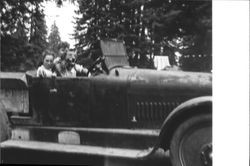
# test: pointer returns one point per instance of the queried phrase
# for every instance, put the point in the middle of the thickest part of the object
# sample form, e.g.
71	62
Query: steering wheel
93	68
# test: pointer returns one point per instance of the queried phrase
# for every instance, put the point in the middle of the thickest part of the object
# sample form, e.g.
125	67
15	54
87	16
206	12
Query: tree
54	39
38	32
148	27
108	19
38	28
19	50
186	27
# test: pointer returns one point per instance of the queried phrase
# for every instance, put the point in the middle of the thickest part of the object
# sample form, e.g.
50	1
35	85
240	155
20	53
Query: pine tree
148	28
20	48
183	26
38	29
38	32
103	19
54	38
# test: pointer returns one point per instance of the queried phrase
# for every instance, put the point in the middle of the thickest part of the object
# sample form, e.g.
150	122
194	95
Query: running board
100	137
34	152
74	149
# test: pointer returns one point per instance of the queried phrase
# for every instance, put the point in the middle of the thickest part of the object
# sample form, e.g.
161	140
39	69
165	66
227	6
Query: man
59	61
67	67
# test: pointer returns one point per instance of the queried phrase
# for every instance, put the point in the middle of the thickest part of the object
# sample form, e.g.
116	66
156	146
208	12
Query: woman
45	70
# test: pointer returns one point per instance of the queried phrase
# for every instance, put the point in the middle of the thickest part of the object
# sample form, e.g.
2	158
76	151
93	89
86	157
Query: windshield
114	53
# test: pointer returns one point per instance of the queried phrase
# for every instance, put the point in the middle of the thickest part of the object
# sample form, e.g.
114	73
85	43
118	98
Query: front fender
199	105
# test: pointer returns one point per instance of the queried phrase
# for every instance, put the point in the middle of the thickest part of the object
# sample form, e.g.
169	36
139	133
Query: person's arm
57	70
81	69
40	72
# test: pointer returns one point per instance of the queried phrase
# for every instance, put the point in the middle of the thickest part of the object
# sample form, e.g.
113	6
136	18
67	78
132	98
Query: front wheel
191	144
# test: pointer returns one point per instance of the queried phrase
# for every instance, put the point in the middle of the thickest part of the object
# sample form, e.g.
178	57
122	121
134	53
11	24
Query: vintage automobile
126	113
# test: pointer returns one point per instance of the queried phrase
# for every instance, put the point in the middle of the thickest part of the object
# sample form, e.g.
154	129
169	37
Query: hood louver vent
153	110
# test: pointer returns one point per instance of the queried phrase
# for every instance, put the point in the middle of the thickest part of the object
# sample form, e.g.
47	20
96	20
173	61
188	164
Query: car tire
191	144
5	130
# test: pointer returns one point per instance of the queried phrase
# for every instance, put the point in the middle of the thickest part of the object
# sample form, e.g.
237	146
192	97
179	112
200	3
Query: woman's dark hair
46	52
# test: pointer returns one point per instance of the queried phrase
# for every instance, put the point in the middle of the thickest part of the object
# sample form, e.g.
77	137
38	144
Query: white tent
161	62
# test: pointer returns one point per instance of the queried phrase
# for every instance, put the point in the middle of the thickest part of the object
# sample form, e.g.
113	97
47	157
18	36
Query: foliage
54	39
148	27
23	34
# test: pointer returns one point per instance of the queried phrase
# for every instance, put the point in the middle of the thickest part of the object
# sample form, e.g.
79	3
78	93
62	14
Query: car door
61	101
69	100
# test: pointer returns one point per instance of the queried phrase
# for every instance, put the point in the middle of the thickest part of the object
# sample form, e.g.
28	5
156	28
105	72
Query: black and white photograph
106	82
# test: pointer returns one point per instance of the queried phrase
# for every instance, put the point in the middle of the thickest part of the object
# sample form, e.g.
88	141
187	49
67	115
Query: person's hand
54	75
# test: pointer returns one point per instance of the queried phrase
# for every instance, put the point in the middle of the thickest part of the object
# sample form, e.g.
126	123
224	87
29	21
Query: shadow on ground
13	156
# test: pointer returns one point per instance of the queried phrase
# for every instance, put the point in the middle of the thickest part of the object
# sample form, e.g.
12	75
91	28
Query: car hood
197	81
